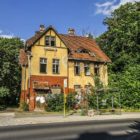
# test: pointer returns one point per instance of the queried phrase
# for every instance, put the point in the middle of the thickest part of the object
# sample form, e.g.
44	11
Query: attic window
82	51
50	41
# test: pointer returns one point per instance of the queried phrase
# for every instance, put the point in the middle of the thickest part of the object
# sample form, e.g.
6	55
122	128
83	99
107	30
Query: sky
21	18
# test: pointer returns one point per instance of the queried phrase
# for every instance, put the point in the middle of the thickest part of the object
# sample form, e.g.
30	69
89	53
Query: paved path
7	119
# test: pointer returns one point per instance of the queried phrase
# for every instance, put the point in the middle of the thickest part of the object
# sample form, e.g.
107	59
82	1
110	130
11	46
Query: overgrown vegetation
55	102
10	73
121	42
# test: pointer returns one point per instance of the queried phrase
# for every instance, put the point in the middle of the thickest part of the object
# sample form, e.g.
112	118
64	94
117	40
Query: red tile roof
74	43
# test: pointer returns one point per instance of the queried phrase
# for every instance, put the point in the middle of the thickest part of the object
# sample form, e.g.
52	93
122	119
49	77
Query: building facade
49	59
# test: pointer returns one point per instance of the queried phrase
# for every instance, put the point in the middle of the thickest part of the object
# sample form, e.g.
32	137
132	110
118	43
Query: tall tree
10	70
121	42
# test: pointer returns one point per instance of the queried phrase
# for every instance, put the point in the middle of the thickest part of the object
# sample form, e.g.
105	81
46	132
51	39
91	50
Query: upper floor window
77	68
96	69
43	65
87	69
56	66
50	41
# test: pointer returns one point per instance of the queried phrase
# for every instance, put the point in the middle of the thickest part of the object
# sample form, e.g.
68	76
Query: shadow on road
107	136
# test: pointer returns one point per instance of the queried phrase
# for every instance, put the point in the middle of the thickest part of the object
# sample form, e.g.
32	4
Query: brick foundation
52	80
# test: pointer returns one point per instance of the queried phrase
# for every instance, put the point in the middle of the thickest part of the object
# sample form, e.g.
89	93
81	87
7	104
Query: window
87	69
77	68
77	88
50	41
96	69
43	65
88	89
55	66
81	50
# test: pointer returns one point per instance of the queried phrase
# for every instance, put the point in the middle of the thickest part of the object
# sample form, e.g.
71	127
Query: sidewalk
7	119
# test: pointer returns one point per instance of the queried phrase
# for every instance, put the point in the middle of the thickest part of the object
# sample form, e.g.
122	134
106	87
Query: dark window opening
96	70
50	41
82	51
43	65
77	68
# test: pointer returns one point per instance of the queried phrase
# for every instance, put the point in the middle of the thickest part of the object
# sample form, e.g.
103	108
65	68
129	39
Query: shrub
24	106
54	102
71	101
2	107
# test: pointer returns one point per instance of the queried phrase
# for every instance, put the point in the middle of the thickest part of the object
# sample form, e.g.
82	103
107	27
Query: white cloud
9	35
109	6
3	34
6	36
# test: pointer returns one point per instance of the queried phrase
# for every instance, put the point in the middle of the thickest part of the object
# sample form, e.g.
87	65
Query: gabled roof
73	43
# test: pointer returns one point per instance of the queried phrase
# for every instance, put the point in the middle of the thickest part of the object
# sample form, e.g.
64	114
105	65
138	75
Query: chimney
42	28
71	32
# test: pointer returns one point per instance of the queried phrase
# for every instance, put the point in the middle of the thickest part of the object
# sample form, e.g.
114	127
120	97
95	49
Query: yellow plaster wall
85	80
24	79
39	50
82	79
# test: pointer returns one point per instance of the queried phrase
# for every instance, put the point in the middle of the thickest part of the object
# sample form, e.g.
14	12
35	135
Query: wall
85	80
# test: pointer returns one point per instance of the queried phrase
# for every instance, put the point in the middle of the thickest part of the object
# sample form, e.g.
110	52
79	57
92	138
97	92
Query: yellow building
51	59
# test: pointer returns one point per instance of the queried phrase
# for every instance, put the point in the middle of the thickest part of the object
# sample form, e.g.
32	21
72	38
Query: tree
10	71
121	42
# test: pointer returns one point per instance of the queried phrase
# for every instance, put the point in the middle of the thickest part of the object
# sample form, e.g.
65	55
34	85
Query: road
87	130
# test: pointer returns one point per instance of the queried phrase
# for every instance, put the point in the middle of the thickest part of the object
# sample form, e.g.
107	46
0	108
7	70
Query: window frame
54	66
50	39
77	65
96	69
87	67
43	63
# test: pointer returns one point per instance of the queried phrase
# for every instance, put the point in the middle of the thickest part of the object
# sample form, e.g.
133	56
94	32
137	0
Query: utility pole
65	86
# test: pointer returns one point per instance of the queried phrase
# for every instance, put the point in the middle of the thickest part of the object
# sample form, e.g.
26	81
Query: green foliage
24	106
54	102
4	92
10	72
71	101
121	42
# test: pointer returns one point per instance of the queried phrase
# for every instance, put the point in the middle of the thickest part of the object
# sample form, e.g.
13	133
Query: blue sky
22	17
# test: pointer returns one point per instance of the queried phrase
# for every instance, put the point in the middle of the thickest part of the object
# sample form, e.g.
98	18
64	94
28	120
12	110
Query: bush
24	106
71	101
54	102
2	107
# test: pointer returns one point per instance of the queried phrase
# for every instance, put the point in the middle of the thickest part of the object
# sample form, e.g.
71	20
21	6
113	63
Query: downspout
29	73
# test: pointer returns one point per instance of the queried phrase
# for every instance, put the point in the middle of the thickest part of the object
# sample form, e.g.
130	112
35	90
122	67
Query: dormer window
50	41
80	50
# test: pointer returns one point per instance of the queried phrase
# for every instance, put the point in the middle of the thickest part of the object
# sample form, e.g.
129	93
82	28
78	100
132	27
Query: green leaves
4	92
10	73
121	42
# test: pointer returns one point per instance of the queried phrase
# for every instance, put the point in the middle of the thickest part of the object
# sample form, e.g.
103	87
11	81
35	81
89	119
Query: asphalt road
88	130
